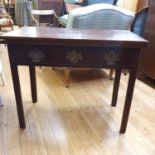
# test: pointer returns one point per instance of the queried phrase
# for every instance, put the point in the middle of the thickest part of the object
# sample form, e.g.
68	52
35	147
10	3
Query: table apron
95	57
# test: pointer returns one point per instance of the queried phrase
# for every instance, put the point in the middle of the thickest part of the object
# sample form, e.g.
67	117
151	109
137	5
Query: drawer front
72	56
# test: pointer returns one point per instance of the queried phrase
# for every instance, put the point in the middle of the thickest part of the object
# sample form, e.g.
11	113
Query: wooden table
117	49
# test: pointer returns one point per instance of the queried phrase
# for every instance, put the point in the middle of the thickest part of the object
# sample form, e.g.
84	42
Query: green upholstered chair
99	16
63	19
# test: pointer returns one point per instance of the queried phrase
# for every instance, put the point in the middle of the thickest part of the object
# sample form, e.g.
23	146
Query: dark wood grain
142	3
147	58
75	37
18	96
116	87
128	99
113	49
33	83
56	5
129	94
51	4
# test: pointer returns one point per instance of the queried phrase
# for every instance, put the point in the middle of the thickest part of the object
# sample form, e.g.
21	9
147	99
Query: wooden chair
98	16
36	14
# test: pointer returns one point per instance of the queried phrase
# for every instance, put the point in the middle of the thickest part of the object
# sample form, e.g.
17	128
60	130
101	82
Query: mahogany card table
62	47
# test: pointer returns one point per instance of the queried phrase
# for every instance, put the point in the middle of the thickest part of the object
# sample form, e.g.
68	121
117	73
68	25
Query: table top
74	37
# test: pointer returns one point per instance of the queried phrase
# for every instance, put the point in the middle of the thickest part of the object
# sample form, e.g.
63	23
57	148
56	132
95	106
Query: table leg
17	91
32	72
128	99
116	87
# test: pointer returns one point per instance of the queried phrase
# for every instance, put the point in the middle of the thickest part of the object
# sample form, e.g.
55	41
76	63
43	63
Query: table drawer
72	56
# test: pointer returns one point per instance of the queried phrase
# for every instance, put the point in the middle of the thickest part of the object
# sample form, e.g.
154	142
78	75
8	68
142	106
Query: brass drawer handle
36	55
111	58
74	56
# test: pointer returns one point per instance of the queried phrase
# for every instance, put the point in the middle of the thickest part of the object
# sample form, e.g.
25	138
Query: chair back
100	16
41	17
90	2
139	21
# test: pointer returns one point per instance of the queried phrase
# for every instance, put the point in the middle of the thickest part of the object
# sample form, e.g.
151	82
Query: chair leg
111	74
125	71
12	27
1	102
3	79
67	76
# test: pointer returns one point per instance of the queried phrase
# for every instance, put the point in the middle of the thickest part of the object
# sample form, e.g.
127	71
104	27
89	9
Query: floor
149	81
77	120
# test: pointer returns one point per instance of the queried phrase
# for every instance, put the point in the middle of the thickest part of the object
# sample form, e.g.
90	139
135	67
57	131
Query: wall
128	4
